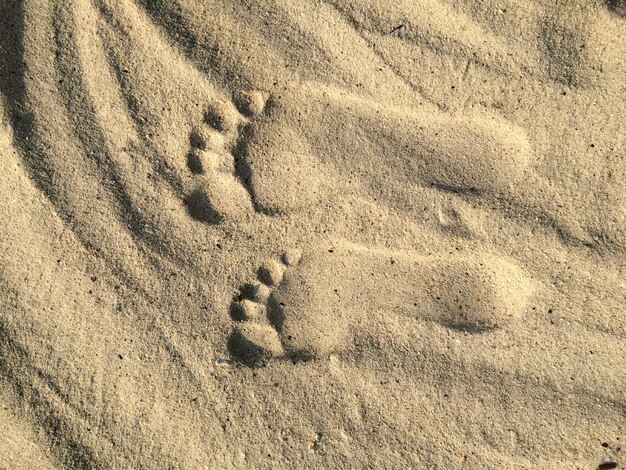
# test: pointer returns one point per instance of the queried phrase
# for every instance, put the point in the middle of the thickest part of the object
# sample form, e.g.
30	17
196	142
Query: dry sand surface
313	234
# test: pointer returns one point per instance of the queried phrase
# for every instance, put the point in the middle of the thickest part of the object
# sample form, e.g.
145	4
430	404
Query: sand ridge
312	234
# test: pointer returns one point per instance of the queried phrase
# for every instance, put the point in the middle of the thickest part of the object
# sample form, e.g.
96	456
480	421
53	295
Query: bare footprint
337	138
477	155
311	306
220	192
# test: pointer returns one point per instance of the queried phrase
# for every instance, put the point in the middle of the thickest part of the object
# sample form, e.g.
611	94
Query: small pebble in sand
607	465
221	362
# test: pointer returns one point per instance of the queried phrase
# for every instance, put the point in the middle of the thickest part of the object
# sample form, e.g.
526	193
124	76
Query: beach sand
312	234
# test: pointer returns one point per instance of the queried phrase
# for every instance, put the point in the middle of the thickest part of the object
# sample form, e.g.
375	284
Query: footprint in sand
221	192
311	305
473	155
337	137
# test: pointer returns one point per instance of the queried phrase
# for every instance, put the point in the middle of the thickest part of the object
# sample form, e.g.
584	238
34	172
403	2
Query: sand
312	234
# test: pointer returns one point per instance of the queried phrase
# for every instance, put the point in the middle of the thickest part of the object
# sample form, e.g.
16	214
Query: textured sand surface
312	234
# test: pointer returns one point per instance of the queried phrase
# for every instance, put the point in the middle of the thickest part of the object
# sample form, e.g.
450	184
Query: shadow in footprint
247	352
194	163
275	314
243	171
200	208
617	6
240	152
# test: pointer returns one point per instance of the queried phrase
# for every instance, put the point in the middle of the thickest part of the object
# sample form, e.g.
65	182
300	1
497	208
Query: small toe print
292	257
247	310
250	103
194	163
206	159
197	139
272	273
200	208
260	292
206	138
222	117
